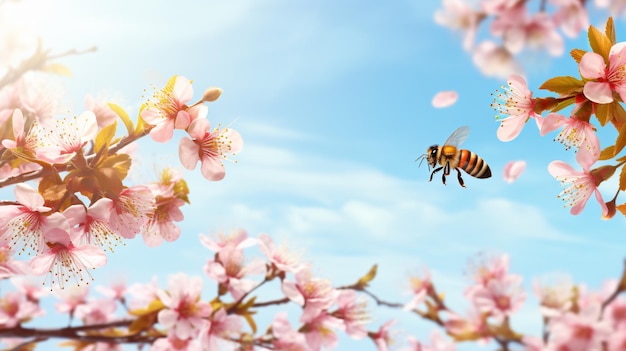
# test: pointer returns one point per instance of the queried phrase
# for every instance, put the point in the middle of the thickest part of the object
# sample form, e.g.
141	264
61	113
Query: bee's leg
460	179
443	178
433	173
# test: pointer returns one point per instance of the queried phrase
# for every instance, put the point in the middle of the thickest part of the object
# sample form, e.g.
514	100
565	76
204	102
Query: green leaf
600	43
123	116
577	54
564	85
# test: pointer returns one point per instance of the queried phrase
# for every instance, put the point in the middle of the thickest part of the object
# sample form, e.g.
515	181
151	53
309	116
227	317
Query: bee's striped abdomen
473	164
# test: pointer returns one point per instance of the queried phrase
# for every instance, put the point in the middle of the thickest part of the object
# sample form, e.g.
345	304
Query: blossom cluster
80	203
516	25
598	92
184	315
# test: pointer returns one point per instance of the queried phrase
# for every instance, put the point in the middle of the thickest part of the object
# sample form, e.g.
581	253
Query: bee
449	156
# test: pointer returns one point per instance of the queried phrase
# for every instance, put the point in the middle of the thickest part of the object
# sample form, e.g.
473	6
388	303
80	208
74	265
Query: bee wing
458	136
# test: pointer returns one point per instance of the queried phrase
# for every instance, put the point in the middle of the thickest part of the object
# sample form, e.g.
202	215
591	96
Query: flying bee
449	156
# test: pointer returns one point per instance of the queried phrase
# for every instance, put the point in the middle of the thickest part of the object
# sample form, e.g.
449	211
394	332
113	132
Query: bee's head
431	155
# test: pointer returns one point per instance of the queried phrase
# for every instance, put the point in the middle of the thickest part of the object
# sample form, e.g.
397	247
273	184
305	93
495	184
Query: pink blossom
575	133
131	210
495	61
280	257
30	287
421	287
62	259
555	294
579	185
102	111
67	138
168	109
222	326
515	104
616	313
487	266
580	332
71	297
382	337
161	225
616	7
571	16
40	95
172	343
320	330
457	15
14	309
10	267
184	314
25	143
24	224
445	99
229	270
538	31
114	291
96	311
285	337
495	7
315	294
91	226
143	293
603	79
499	298
208	147
238	239
353	313
512	170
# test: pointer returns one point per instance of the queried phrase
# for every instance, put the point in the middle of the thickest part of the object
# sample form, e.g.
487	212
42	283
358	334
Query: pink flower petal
445	99
552	122
513	170
598	92
559	169
212	169
510	128
592	66
188	153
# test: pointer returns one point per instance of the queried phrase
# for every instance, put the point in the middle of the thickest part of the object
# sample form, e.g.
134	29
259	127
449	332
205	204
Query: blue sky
333	101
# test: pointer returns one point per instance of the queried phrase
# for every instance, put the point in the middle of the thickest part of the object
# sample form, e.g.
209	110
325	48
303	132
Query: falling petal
513	169
445	99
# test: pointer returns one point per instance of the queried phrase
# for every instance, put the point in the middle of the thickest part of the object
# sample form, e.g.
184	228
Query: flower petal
188	153
592	66
598	92
445	99
513	170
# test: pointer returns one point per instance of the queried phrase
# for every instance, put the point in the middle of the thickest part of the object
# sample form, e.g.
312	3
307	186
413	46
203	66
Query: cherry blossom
10	267
14	309
579	185
603	79
515	105
438	342
96	311
315	294
168	110
285	337
221	327
172	343
582	331
575	132
184	314
571	16
382	337
238	239
91	225
71	297
320	330
279	257
554	293
229	270
208	147
444	99
494	60
67	137
353	312
131	210
421	287
25	143
512	170
457	15
499	298
62	259
24	224
102	111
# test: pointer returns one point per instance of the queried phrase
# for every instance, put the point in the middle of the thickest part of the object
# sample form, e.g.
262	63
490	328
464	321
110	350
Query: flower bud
611	209
211	94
